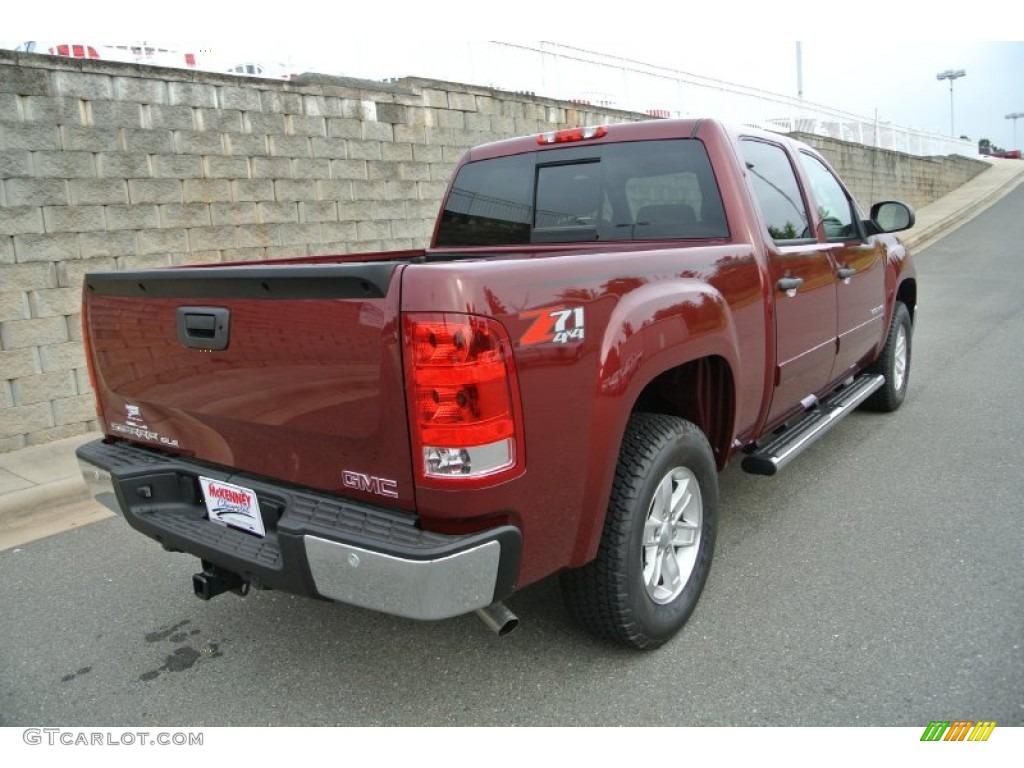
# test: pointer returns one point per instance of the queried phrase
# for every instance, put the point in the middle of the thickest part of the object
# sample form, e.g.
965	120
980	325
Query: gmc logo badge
380	486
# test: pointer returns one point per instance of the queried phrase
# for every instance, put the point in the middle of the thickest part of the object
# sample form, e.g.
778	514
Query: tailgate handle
204	327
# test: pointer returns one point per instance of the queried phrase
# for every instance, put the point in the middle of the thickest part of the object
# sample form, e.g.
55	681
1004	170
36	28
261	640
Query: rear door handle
846	273
790	283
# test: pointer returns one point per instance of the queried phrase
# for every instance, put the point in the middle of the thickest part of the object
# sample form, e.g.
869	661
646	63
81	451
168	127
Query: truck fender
900	279
653	329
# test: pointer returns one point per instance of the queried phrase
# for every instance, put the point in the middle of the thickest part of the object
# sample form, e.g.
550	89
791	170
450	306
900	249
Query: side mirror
890	216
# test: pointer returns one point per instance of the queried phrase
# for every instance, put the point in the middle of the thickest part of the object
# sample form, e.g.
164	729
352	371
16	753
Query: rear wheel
658	538
893	363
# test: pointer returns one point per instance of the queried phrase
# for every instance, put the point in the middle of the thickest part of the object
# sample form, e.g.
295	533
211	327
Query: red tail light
463	398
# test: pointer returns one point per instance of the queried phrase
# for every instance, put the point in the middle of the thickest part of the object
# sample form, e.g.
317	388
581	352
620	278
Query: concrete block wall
107	166
881	174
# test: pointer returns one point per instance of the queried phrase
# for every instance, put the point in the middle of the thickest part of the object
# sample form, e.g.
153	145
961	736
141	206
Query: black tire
611	596
893	363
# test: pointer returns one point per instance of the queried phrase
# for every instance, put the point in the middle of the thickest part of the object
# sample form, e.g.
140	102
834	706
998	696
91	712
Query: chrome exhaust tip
499	619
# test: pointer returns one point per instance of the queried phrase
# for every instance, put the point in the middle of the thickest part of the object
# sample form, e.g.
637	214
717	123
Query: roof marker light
572	134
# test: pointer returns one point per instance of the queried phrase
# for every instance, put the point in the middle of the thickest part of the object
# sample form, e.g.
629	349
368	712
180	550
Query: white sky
860	58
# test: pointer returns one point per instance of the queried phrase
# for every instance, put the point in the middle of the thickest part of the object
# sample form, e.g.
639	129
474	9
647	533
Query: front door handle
790	283
846	273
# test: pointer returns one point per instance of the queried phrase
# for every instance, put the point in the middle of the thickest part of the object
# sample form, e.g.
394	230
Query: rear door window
777	191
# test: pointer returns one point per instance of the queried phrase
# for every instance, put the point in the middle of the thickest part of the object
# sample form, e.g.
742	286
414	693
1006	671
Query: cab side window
835	208
777	190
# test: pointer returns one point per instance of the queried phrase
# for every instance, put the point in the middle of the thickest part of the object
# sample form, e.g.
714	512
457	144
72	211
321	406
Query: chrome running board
769	458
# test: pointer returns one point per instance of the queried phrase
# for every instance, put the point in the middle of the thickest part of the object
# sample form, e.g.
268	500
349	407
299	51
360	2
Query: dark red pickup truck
605	316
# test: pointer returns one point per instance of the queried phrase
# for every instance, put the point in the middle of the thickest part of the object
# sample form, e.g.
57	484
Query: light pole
799	70
1013	116
951	75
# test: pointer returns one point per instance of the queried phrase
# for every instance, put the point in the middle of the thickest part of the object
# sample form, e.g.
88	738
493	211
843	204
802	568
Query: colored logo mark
958	730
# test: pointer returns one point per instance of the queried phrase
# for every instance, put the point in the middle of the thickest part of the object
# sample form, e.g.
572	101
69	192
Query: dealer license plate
232	506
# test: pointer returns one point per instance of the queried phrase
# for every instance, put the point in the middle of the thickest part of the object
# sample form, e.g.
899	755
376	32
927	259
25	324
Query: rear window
645	190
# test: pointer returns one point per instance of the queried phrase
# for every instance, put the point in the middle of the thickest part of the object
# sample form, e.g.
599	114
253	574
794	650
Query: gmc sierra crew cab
605	316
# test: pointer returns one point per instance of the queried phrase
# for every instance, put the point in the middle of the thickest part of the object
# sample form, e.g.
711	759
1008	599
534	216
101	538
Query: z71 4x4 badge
559	325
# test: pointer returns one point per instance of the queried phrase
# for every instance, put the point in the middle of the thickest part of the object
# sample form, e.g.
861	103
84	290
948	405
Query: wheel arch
671	348
702	391
906	293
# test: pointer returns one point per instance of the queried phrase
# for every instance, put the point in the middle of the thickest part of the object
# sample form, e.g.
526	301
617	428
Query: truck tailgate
291	372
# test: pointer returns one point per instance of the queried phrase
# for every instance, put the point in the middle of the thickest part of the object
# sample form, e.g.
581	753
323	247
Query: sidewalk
42	492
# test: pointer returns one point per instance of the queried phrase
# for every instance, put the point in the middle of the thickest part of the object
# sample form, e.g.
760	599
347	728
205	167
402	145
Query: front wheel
893	363
658	538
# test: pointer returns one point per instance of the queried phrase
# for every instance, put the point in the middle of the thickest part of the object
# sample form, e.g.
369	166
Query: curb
21	504
55	478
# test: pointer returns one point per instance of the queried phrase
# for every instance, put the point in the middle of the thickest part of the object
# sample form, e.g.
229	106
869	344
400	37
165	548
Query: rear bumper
316	544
